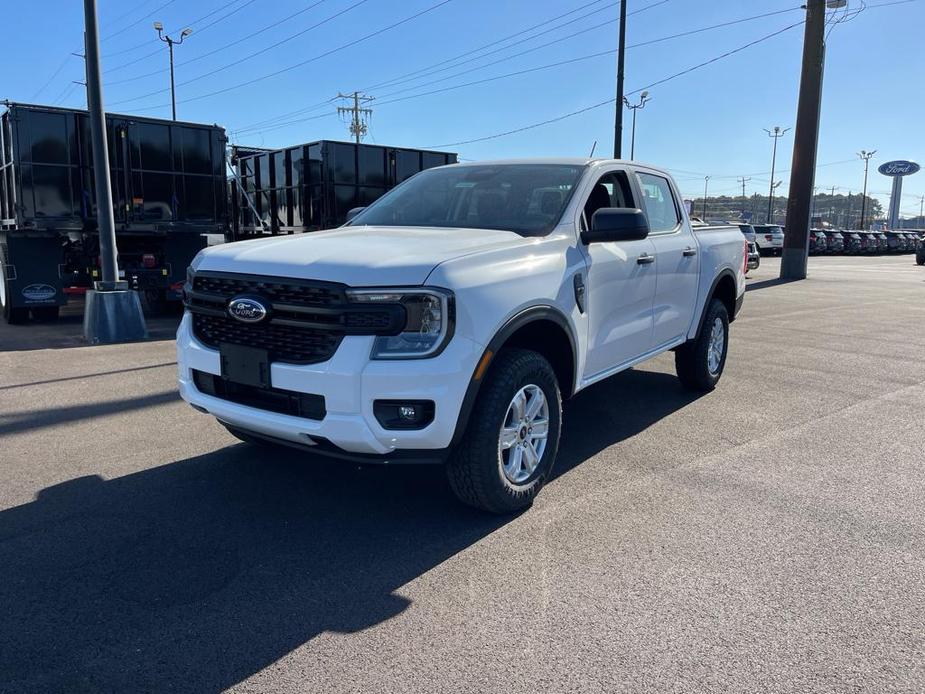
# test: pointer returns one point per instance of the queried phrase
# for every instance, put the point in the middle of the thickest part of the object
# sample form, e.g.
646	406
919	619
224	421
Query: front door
676	260
621	286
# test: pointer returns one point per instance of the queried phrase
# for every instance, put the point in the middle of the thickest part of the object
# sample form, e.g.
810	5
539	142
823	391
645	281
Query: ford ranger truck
447	321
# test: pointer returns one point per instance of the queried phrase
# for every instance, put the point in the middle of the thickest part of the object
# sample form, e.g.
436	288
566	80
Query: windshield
528	199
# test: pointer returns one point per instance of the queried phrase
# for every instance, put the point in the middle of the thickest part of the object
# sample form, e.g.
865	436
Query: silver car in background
769	238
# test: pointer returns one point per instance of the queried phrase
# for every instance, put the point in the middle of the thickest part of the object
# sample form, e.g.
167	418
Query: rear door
621	284
676	259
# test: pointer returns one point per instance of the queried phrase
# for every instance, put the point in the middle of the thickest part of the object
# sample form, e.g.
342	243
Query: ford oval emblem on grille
247	309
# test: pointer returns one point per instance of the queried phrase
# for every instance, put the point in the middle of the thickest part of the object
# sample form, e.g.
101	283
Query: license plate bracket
248	366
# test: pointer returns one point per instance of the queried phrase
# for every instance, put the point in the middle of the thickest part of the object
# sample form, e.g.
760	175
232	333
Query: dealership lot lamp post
643	99
170	44
777	133
112	312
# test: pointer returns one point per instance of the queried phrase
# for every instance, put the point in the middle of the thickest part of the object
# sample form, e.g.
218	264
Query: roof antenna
593	147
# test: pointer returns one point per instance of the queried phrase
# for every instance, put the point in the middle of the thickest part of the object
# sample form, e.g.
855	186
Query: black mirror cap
353	212
616	224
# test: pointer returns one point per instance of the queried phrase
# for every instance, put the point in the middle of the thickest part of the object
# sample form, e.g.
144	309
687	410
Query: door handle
645	259
690	252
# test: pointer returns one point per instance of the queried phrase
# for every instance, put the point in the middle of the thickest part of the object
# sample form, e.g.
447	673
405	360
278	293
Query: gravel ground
767	537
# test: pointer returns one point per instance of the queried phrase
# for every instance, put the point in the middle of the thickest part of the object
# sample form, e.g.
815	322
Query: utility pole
922	210
832	206
794	256
170	44
776	134
358	116
621	62
643	99
866	156
706	182
112	313
743	180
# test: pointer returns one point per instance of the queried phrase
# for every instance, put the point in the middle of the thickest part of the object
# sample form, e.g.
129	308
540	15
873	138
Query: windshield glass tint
524	198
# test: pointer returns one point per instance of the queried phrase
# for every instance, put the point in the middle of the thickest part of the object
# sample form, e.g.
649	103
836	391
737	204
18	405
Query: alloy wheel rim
524	433
716	346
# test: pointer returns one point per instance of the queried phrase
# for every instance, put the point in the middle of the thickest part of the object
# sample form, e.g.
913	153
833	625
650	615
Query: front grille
284	342
288	292
307	318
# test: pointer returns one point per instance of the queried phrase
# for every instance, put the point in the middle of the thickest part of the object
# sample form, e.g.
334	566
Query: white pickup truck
447	321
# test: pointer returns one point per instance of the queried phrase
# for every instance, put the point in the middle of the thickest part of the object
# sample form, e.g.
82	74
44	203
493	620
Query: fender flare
512	325
725	272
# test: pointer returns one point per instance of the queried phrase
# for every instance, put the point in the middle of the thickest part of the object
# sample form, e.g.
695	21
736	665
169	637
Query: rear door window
658	201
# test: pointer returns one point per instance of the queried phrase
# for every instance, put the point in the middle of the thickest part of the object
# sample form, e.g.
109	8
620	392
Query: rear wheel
154	302
512	437
700	362
46	314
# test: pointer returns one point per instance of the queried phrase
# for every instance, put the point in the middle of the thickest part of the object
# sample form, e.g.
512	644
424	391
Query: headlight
430	315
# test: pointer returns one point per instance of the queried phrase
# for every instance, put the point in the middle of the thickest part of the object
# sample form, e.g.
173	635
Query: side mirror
354	212
616	224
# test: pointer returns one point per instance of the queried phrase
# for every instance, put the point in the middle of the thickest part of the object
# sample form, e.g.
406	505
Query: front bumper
349	382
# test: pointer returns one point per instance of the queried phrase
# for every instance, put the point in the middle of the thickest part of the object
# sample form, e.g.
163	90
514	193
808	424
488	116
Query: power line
193	23
308	109
611	100
302	63
259	126
138	21
225	45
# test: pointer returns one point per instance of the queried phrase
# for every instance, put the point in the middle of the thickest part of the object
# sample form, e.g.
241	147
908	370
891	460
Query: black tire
474	470
691	359
154	302
46	314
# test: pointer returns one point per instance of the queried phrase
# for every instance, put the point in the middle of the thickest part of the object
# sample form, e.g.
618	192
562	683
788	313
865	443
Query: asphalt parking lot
766	537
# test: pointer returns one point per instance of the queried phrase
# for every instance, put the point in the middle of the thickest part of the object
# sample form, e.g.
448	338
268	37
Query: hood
362	256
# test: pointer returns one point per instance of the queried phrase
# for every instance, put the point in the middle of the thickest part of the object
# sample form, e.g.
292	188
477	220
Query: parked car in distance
895	241
818	243
853	242
769	238
873	242
836	241
911	240
883	243
446	322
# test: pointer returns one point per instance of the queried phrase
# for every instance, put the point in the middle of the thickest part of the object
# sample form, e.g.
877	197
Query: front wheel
512	436
700	362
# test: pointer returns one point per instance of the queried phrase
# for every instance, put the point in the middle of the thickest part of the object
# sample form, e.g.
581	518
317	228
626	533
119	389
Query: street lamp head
186	32
644	96
158	26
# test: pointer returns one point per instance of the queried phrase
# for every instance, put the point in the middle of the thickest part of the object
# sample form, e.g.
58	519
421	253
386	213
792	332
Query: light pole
866	156
170	44
643	99
706	183
776	134
774	186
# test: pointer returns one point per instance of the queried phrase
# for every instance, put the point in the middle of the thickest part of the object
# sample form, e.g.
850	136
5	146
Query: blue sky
709	121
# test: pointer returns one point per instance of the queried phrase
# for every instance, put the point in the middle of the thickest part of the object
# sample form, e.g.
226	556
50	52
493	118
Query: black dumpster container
168	189
312	186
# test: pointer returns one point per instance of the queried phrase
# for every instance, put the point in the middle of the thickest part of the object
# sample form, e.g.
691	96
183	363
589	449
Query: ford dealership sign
899	168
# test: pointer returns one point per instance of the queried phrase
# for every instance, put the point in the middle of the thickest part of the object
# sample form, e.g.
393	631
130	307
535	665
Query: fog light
404	414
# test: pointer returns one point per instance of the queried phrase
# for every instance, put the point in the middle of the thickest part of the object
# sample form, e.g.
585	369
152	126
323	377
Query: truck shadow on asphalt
195	575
